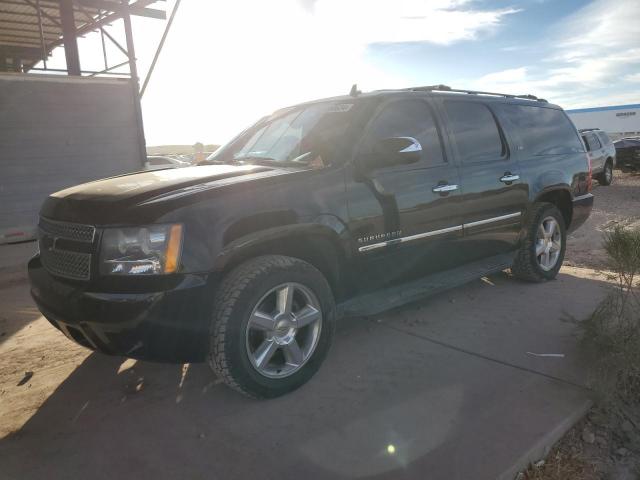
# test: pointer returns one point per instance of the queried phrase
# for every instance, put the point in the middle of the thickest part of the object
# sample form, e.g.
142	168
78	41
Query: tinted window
475	131
604	138
594	143
408	118
543	131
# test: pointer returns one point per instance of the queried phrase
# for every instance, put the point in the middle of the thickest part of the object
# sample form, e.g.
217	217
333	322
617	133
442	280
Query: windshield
310	134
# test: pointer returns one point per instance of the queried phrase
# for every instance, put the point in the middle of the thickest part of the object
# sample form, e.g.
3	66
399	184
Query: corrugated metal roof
21	20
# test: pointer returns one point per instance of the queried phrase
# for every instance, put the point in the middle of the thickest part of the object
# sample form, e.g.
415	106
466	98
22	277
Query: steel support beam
126	18
159	49
69	36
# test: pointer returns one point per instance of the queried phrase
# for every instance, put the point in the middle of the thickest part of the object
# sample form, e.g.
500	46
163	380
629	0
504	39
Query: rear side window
593	141
475	131
543	131
408	118
604	138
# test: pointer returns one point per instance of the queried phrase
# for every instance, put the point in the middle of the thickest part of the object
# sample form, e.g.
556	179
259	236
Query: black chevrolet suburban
339	207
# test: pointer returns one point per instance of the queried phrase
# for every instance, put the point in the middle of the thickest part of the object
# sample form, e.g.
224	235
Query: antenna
354	90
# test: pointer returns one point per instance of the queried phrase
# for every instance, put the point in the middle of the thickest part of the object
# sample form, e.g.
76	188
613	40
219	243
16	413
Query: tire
606	177
236	337
527	265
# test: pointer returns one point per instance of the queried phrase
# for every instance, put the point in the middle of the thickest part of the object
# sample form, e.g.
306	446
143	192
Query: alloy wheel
548	243
283	330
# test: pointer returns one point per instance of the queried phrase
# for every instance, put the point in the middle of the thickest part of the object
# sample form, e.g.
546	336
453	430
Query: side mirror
396	151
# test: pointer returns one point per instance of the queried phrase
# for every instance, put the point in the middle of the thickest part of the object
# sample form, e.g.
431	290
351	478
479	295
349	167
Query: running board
398	295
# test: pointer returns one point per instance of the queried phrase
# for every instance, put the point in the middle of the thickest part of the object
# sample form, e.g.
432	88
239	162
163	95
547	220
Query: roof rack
445	88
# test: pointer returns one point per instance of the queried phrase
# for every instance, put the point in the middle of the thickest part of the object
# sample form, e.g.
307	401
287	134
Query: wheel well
562	200
319	251
609	160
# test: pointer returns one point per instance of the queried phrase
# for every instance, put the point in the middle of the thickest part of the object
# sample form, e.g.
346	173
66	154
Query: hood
146	196
143	186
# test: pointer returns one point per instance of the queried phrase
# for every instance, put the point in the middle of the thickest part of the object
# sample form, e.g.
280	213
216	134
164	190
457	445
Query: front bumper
582	206
169	324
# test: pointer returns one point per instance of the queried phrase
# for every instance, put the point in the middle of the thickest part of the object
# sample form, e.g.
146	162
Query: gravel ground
615	204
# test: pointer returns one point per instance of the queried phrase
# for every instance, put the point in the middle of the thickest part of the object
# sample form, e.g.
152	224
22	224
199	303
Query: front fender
280	239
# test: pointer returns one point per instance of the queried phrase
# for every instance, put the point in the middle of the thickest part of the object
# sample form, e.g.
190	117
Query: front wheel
542	250
272	325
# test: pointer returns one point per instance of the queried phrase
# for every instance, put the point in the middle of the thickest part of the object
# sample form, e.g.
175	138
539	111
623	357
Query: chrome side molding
434	233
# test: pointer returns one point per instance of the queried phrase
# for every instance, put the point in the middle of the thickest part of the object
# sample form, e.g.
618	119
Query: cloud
227	63
441	22
590	55
509	76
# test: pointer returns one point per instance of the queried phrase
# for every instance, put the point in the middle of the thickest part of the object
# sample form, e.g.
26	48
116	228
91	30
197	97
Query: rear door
493	195
405	218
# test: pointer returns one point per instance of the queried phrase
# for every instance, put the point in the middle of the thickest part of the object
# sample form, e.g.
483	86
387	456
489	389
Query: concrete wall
56	132
617	121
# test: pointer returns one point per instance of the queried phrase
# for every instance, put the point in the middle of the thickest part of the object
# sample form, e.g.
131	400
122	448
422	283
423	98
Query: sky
227	63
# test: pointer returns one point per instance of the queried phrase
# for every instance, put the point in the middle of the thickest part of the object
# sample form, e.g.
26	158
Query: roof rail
445	88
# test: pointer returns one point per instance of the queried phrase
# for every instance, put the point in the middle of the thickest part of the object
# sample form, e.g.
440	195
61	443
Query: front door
404	216
493	196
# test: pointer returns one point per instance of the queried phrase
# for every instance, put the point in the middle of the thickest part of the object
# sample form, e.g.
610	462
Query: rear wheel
272	325
542	251
606	177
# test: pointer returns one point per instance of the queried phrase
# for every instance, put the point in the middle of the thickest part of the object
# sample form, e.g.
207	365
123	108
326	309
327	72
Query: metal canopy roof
31	29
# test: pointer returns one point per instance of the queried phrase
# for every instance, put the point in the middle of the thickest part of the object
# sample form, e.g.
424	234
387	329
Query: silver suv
602	154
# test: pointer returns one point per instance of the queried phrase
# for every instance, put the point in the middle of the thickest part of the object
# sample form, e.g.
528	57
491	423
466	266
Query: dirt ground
37	359
618	203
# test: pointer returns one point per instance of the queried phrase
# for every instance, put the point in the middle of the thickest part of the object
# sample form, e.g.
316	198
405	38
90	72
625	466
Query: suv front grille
71	231
65	247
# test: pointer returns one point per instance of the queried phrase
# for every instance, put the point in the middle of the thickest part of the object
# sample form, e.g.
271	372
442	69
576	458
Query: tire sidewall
240	367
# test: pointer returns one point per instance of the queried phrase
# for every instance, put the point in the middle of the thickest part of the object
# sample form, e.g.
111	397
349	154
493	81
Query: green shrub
613	331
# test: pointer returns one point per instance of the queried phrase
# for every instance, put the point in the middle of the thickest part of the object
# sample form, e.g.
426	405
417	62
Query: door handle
508	178
444	188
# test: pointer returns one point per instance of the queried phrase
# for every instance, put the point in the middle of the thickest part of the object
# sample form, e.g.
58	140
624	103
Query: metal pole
42	42
159	49
133	70
69	36
104	48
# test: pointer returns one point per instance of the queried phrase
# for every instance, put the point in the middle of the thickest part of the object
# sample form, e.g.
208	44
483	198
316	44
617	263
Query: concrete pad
509	321
447	414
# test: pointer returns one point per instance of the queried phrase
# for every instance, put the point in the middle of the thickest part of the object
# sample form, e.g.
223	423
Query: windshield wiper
257	160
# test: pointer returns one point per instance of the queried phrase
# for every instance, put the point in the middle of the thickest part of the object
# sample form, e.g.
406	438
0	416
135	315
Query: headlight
154	249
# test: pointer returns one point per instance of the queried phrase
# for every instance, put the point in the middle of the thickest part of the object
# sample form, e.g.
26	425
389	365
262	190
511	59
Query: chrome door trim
396	241
492	219
432	233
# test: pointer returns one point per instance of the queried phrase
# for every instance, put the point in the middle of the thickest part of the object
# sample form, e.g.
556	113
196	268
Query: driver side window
407	118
